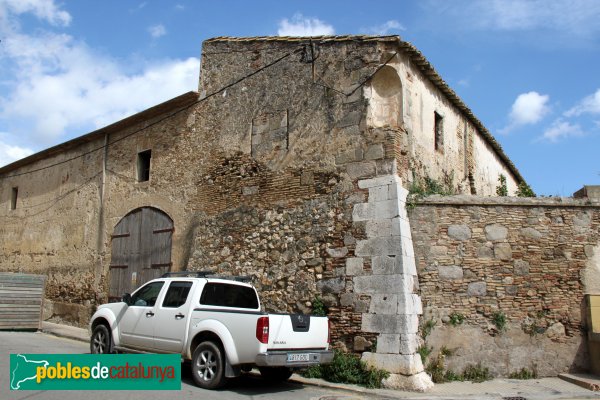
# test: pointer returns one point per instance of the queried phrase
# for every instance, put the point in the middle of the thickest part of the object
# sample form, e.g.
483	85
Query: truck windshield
225	295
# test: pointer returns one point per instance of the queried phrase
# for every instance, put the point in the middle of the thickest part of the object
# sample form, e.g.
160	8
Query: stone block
410	303
375	152
396	191
383	323
502	251
531	233
349	156
521	267
391	245
384	265
354	266
485	252
450	272
352	118
437	251
379	181
477	289
334	285
409	343
347	299
379	228
459	232
401	227
378	193
337	252
386	209
384	304
405	364
495	232
363	212
386	166
420	382
388	343
361	344
249	190
360	169
371	284
361	306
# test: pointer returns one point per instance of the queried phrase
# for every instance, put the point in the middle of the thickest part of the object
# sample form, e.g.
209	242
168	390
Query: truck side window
146	296
177	294
222	294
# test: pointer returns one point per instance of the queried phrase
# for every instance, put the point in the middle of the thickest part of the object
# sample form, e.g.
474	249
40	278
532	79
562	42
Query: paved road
240	388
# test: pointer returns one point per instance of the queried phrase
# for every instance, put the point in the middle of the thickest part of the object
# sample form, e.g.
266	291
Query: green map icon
23	369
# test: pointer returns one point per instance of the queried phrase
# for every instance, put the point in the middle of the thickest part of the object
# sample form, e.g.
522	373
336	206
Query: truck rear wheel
275	374
208	366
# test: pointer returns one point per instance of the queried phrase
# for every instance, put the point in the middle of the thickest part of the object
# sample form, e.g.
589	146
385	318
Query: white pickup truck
216	322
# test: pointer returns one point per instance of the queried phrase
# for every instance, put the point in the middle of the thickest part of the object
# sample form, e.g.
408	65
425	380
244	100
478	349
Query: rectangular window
143	165
177	294
13	198
439	132
226	295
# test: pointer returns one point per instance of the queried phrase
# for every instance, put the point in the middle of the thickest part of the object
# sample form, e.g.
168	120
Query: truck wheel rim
99	342
207	365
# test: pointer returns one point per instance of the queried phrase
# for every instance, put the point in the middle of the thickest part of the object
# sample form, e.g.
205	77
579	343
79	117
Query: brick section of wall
522	258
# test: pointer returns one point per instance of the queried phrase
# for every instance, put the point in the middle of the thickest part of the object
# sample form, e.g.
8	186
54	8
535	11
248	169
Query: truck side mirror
126	299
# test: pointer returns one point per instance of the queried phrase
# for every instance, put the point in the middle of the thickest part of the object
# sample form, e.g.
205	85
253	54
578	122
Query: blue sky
529	70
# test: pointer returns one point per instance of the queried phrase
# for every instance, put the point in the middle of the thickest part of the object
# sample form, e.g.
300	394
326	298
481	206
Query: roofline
427	69
417	58
169	105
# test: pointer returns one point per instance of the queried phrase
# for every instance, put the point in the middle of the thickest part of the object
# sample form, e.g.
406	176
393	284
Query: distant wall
531	260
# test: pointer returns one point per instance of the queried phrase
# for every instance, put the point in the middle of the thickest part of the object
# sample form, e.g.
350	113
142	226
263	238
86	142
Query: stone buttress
391	283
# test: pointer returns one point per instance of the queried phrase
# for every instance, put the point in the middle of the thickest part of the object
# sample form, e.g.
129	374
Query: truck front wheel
101	340
275	374
208	366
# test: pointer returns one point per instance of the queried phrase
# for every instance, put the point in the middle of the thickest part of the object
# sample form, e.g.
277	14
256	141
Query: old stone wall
503	279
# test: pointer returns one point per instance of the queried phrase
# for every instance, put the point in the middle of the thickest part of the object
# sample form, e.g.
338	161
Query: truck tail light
328	331
262	330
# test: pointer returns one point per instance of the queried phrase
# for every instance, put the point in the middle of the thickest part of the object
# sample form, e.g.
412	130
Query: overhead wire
224	88
95	149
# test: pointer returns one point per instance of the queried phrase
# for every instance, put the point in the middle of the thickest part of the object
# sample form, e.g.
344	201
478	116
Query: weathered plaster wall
528	259
408	99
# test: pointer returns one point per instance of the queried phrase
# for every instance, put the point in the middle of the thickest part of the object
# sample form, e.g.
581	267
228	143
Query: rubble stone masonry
529	260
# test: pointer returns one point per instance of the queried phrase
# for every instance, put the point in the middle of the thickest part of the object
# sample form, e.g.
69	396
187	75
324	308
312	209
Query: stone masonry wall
528	260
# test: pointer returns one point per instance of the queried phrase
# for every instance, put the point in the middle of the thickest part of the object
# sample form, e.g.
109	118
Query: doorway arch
140	250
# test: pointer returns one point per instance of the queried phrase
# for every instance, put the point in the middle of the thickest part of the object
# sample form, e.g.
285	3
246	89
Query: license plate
297	357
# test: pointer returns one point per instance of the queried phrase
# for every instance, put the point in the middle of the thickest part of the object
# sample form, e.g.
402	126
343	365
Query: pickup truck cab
216	322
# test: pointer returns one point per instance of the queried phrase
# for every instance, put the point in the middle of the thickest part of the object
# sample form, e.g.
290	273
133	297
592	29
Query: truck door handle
179	316
149	314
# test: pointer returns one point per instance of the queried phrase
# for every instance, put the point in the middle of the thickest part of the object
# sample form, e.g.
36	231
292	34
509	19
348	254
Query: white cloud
561	129
556	18
299	25
157	31
386	28
58	87
9	153
43	9
589	105
529	108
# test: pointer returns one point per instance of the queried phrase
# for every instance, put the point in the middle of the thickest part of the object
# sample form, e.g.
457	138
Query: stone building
291	164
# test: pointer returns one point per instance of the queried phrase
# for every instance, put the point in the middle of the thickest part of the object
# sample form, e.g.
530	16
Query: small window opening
13	198
143	165
439	132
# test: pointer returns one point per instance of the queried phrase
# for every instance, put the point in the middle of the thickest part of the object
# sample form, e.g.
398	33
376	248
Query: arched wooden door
141	250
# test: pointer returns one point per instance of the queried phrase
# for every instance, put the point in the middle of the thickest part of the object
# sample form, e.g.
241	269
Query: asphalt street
240	388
